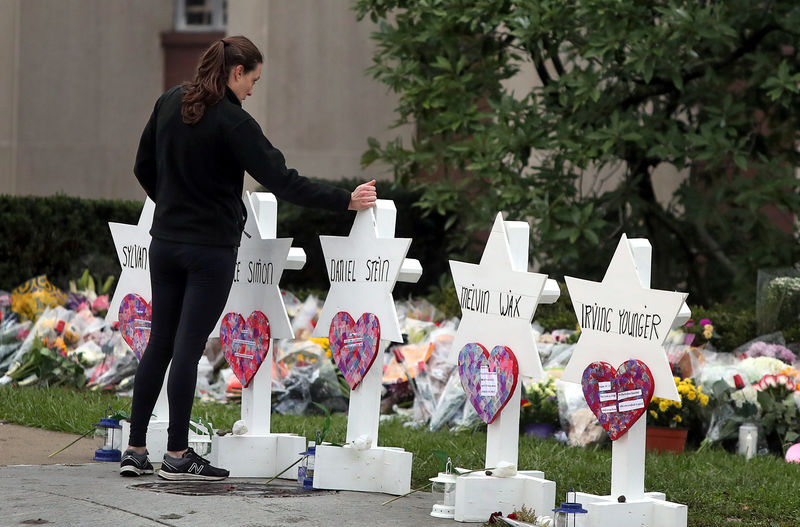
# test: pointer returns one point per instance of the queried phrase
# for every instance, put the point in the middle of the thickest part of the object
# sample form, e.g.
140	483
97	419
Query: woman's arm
267	166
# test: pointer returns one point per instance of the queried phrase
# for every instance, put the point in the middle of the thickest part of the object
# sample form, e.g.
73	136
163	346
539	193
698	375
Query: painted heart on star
245	343
489	379
134	322
354	345
618	397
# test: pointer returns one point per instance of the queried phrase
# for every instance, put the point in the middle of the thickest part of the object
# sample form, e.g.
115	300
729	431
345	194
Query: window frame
218	17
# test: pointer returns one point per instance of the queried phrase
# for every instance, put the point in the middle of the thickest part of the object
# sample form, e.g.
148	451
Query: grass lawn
719	488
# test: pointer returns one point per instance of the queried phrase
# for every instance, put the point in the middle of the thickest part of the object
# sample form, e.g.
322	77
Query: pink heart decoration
618	397
489	379
354	344
245	343
135	315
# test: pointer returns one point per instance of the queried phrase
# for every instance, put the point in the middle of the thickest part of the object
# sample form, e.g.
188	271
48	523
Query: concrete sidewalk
93	494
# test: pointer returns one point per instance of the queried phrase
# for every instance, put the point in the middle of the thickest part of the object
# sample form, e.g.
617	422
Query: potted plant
668	422
539	409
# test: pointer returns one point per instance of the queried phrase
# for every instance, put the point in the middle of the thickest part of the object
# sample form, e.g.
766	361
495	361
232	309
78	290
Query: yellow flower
708	330
678	404
682	389
663	405
703	399
677	418
654	414
677	379
691	396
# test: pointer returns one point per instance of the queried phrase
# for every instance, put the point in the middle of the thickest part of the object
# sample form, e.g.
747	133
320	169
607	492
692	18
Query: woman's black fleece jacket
195	173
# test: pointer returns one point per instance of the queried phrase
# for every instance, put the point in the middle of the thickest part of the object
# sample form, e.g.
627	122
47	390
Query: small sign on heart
135	315
245	343
354	345
618	397
489	379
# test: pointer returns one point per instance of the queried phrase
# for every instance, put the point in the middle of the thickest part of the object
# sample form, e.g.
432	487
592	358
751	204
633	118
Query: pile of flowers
679	414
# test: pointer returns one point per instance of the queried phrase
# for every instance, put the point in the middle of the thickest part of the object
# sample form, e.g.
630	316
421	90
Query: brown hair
208	86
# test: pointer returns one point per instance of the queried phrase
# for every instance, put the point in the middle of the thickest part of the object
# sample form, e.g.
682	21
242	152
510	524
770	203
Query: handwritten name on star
134	256
375	269
622	321
254	272
500	303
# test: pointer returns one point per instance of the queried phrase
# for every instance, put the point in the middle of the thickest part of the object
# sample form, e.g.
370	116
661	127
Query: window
201	15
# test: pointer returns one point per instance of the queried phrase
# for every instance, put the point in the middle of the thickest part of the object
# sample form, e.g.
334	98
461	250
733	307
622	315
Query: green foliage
709	88
59	236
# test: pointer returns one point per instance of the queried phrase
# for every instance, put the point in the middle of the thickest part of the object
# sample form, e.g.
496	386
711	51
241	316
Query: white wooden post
259	452
628	452
361	465
502	436
631	262
503	270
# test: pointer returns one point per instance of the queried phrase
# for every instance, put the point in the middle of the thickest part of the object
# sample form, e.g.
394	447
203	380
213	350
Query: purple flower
705	321
775	351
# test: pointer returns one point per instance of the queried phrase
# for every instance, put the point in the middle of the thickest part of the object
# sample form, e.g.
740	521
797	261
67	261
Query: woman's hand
363	197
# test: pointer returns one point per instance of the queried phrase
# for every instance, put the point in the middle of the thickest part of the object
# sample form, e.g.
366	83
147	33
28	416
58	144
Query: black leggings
190	285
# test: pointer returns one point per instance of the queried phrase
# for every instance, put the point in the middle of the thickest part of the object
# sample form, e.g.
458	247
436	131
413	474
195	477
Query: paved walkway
93	494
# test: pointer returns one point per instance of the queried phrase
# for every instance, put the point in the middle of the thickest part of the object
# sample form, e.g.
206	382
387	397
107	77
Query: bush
59	236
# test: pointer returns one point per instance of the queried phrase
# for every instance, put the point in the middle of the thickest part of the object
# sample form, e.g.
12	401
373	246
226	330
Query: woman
191	162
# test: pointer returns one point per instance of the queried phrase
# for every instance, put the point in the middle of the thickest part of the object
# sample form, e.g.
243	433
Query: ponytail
208	86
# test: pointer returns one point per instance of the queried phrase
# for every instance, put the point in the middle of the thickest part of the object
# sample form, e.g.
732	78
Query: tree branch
661	86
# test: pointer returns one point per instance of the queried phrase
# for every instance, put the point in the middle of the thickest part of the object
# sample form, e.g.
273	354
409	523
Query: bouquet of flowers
679	414
698	333
780	417
539	404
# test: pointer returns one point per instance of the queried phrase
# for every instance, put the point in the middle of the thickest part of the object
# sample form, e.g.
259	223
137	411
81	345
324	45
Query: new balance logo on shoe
190	467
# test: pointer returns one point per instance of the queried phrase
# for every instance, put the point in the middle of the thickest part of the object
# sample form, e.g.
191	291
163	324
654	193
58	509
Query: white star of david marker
132	243
498	302
362	269
260	264
620	319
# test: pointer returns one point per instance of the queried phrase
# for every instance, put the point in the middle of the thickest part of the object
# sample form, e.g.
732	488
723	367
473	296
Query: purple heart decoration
354	345
245	343
618	397
489	379
134	322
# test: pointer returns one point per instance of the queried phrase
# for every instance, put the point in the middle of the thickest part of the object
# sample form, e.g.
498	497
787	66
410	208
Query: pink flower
705	321
100	303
